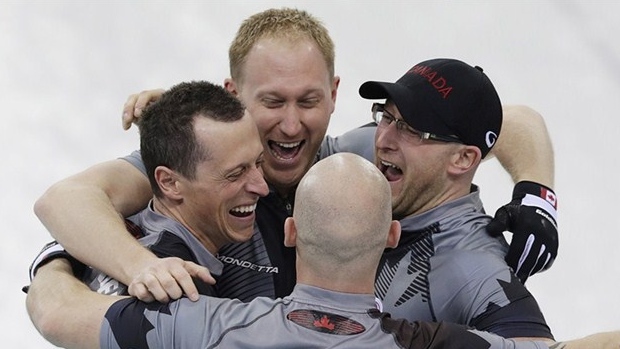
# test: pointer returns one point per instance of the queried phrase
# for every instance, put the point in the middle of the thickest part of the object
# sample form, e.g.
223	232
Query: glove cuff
527	187
53	250
539	196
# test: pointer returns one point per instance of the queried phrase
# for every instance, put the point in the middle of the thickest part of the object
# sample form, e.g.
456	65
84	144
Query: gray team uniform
263	266
446	267
165	237
309	318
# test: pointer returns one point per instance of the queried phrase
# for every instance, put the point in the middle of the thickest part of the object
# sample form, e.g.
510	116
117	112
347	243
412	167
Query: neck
171	211
285	188
340	281
284	191
429	200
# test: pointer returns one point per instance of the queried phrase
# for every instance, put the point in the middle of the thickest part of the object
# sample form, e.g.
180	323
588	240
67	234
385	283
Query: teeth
385	163
288	145
244	209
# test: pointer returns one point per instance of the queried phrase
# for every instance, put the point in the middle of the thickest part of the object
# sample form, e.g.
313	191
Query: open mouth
285	151
390	171
243	211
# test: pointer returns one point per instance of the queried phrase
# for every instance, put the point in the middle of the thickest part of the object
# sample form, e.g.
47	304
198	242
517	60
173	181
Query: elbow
46	206
49	329
523	115
45	320
43	204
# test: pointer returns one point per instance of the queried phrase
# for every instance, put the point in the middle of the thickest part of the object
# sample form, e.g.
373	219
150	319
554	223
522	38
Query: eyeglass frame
402	126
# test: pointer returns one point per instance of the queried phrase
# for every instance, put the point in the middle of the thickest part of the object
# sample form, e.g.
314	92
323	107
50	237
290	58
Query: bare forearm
81	213
524	147
602	340
63	309
84	213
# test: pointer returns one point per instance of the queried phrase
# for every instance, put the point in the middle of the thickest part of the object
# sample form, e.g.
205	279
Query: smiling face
417	170
218	205
288	90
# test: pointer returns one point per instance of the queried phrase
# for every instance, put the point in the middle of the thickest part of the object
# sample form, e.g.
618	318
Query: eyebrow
277	94
385	109
244	164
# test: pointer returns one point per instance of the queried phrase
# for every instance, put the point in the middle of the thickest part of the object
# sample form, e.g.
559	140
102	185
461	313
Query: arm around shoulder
85	214
524	146
601	340
524	149
63	309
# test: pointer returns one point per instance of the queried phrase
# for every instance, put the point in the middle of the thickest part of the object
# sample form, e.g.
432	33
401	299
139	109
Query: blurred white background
67	67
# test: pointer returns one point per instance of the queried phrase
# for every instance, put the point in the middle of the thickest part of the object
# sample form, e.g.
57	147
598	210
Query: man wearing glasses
439	121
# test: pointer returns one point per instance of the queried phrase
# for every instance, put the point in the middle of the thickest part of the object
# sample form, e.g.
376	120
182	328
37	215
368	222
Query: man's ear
335	84
231	86
465	159
393	234
290	232
168	182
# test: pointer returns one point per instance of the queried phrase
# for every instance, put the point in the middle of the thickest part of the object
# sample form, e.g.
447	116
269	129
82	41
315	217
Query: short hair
285	23
343	210
167	136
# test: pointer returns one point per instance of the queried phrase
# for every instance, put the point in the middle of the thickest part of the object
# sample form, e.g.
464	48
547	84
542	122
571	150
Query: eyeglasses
383	119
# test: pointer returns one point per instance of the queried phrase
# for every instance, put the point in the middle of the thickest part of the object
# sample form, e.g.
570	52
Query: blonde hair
286	23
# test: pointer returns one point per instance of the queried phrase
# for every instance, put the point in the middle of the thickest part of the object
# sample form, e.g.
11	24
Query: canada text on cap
446	97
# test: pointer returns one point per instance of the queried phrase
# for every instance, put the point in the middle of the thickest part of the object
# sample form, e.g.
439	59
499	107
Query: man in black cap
439	120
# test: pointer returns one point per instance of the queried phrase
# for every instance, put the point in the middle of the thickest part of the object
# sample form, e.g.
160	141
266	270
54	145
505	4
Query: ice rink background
67	68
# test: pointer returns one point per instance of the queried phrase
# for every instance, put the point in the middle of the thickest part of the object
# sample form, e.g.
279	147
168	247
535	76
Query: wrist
523	188
540	197
58	264
141	259
52	251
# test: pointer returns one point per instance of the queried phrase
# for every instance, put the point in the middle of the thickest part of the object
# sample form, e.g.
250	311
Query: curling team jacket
165	237
309	318
445	268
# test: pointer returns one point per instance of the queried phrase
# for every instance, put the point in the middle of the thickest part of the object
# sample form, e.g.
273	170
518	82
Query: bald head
342	212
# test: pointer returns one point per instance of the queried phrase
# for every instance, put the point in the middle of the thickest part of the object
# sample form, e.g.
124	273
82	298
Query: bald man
340	227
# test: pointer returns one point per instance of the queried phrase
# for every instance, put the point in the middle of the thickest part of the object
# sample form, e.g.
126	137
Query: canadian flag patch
325	322
549	196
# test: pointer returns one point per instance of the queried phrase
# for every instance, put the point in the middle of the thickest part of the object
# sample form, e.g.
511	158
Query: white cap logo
490	138
379	304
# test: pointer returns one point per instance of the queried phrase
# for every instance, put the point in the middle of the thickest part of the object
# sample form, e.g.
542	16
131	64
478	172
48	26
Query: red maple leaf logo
324	323
550	197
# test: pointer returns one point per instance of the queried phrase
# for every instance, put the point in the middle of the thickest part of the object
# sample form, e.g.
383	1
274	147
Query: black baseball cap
446	97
